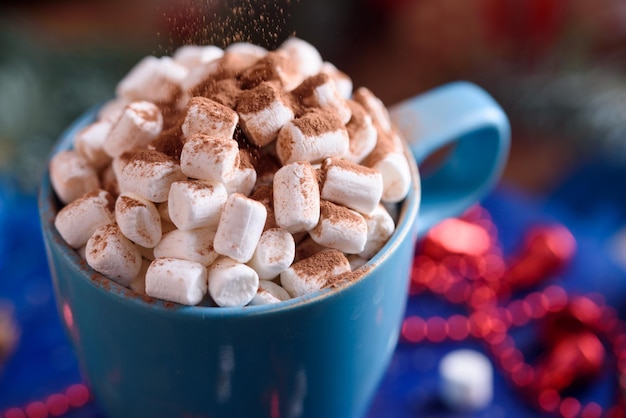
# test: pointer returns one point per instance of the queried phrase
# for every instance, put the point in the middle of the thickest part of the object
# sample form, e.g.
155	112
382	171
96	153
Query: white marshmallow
149	174
362	133
196	77
71	176
175	280
320	91
340	228
374	106
314	273
138	284
205	116
274	68
264	195
152	79
77	221
194	245
380	227
296	197
263	112
192	56
269	292
232	283
305	58
356	262
466	380
112	110
108	180
342	81
274	252
110	253
313	137
244	177
351	185
241	55
395	171
240	227
138	125
195	204
138	219
208	158
89	143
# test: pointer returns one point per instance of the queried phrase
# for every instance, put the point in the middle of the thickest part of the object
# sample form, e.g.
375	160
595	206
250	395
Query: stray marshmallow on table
237	175
466	380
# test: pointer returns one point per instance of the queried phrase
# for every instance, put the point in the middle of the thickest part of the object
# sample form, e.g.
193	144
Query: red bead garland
55	405
578	328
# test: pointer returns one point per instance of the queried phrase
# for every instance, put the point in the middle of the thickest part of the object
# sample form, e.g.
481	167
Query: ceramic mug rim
405	225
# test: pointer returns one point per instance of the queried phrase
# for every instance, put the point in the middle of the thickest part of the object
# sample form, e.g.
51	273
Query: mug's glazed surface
317	356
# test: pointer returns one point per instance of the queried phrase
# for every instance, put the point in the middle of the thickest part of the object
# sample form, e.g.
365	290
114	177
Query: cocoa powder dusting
317	122
257	99
321	263
170	142
268	68
127	203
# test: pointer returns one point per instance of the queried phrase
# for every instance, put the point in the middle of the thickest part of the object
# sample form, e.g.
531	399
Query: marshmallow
175	280
304	57
313	137
342	81
340	228
351	185
273	68
195	204
191	56
296	197
374	106
205	116
153	79
263	112
138	125
77	221
265	195
110	253
240	55
393	166
149	173
112	110
208	158
314	273
89	143
362	132
71	176
380	227
269	292
193	245
108	181
138	219
466	380
197	78
232	283
138	284
274	252
240	227
356	262
320	91
244	177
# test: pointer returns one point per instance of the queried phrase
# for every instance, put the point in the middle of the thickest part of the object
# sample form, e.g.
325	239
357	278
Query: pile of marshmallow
254	176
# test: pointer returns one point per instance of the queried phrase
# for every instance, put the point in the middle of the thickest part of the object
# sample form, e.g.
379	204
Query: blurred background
557	67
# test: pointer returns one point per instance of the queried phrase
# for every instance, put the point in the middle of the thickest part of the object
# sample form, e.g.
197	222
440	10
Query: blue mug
322	355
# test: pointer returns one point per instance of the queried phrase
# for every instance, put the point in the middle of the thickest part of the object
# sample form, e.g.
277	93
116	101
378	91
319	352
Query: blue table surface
591	203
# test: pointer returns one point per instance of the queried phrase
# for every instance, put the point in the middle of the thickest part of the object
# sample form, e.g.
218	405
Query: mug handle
465	116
